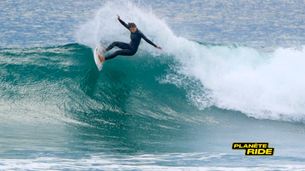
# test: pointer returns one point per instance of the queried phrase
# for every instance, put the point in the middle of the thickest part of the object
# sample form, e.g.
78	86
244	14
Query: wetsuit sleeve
148	41
123	23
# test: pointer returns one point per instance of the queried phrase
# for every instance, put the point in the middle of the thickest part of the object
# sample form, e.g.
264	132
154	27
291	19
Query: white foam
170	161
262	85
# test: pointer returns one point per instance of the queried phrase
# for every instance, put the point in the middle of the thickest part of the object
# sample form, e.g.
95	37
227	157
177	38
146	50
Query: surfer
127	49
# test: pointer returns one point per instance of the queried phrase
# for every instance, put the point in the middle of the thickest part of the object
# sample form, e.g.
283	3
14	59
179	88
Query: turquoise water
177	109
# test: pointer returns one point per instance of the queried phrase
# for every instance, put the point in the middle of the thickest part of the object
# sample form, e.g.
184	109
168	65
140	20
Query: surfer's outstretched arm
149	41
123	23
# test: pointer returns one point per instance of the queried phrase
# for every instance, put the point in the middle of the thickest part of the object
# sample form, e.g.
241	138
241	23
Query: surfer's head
132	27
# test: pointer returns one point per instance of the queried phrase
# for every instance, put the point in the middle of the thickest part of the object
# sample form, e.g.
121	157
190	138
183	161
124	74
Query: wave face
265	85
62	84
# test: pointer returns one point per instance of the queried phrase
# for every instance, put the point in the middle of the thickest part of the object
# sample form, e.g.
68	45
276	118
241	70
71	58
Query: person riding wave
127	49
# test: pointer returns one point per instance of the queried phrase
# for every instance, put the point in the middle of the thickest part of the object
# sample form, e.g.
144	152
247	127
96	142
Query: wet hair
131	25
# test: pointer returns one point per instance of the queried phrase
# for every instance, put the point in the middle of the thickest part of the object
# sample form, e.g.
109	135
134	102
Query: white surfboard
98	63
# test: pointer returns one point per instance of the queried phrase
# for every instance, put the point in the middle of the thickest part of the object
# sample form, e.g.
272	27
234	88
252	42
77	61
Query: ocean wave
264	85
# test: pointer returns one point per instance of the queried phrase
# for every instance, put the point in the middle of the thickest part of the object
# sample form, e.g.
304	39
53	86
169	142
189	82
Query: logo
254	148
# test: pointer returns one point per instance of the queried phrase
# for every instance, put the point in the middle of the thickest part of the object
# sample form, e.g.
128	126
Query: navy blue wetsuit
131	48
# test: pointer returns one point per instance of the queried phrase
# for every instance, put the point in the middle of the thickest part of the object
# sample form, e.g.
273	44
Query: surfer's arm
149	41
123	23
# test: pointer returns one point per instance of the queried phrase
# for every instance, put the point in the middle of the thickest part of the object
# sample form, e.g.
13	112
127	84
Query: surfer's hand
118	17
158	47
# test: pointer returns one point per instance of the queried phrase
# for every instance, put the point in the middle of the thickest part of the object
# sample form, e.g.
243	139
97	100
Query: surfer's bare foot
101	58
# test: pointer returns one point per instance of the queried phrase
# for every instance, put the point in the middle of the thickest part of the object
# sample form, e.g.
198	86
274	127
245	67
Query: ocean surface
230	71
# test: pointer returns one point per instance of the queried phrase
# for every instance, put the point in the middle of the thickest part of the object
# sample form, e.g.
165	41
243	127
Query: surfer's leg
121	45
124	52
